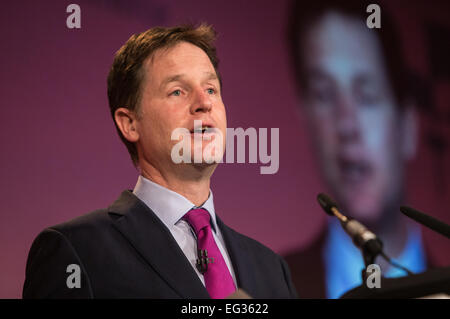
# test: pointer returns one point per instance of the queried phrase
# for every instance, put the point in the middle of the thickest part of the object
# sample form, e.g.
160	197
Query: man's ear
410	128
127	122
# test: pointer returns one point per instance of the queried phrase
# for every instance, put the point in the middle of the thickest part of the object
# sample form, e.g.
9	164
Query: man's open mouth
354	171
203	129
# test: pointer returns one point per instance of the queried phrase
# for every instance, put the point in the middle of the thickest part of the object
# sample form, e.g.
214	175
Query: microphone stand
370	248
370	245
369	251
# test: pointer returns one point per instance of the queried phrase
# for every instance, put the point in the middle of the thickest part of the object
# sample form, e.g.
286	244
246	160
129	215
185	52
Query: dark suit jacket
125	251
308	269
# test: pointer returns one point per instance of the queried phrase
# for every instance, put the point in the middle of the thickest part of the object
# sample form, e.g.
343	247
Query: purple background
61	156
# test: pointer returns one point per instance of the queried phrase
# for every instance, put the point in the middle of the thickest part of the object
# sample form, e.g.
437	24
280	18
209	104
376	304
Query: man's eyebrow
177	77
172	78
211	76
317	72
364	79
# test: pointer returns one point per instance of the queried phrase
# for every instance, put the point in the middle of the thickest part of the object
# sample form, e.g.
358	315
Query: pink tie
218	280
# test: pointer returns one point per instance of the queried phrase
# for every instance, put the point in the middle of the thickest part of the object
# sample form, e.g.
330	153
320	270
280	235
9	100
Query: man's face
180	85
353	117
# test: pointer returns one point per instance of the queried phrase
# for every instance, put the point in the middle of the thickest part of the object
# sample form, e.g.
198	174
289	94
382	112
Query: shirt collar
168	205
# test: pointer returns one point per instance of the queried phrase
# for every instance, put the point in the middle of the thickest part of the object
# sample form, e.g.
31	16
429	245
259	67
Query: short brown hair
126	74
303	15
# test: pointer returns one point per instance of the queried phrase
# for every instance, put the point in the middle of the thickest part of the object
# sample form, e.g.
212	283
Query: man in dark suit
163	239
360	111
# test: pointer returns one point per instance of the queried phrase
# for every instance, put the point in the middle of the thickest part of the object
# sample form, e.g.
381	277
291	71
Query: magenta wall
61	156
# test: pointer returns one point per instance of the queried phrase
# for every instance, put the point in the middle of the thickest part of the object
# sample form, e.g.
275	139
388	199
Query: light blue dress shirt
170	207
344	262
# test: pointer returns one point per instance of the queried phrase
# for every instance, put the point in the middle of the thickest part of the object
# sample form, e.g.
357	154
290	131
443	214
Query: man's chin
364	213
201	166
359	204
207	158
205	164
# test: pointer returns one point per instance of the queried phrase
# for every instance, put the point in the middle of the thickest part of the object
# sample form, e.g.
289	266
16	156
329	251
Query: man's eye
176	93
322	95
369	96
211	91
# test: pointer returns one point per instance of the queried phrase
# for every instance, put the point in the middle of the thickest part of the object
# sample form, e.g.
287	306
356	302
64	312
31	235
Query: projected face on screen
357	128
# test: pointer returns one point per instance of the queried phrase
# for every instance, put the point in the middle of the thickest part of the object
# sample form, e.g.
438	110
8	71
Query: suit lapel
243	265
151	238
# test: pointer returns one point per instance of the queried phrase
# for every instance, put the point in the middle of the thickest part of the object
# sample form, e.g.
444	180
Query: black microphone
428	221
327	203
361	236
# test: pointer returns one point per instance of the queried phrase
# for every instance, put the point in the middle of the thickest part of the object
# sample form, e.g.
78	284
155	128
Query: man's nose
347	121
202	101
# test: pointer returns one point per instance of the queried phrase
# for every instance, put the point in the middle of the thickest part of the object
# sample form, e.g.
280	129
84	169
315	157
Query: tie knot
198	218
